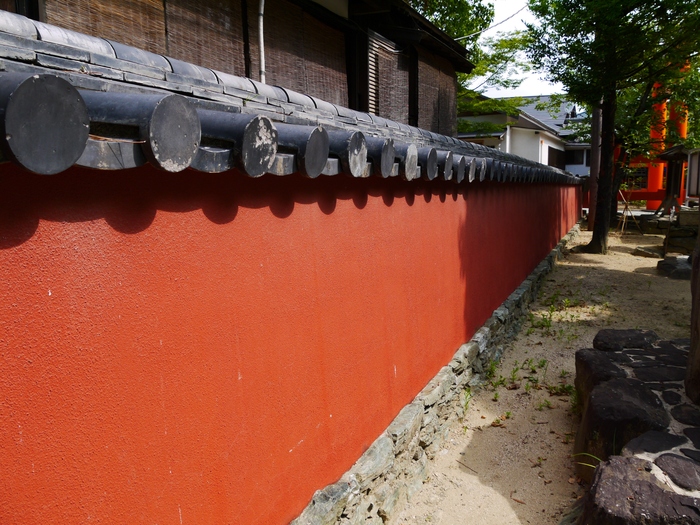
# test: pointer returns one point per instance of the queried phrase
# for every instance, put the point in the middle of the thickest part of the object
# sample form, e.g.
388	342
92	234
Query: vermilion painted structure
197	348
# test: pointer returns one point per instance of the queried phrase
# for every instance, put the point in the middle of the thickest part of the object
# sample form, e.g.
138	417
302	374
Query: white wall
525	143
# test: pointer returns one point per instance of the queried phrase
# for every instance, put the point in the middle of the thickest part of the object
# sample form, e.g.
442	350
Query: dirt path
509	461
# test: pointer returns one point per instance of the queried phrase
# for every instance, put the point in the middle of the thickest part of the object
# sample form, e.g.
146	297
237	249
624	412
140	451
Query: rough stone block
416	474
464	378
624	492
406	425
592	368
683	472
326	505
689	218
501	313
459	361
366	512
612	340
390	498
654	442
376	460
617	411
481	338
437	388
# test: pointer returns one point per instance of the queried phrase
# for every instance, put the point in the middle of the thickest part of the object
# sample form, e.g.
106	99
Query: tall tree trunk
595	166
599	241
619	173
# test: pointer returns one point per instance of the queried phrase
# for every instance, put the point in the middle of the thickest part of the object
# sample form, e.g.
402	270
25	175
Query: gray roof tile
57	35
139	56
17	25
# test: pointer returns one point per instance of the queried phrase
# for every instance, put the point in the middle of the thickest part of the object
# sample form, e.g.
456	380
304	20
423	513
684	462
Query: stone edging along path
395	466
637	417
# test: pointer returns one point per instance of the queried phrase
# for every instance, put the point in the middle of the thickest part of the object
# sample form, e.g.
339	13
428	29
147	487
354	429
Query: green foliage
593	45
457	18
499	60
609	54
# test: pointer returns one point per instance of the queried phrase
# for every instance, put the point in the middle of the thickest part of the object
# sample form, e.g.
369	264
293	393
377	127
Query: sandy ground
509	461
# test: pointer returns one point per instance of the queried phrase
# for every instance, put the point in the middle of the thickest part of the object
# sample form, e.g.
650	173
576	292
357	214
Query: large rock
592	368
618	411
625	492
654	442
683	472
612	340
675	267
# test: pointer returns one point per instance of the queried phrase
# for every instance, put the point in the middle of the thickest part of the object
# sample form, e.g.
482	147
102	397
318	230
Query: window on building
574	156
29	8
556	158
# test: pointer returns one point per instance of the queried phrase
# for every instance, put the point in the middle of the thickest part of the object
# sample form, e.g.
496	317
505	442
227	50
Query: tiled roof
555	122
106	105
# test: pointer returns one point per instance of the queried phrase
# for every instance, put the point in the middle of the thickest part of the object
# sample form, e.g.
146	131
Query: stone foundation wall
395	466
681	233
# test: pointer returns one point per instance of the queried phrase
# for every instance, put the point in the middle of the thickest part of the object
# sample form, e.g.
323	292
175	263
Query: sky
533	83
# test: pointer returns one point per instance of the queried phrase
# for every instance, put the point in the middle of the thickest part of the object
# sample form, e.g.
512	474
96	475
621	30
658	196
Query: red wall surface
197	348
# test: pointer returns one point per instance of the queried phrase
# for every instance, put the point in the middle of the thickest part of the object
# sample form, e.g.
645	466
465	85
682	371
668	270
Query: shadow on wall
508	233
128	200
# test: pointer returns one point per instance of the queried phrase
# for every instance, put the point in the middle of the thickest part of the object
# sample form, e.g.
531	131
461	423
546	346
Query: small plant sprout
495	396
509	415
544	404
491	370
466	397
560	390
586	454
514	373
527	364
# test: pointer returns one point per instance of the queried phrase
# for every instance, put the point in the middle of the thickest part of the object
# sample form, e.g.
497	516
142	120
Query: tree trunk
595	166
599	241
619	167
692	375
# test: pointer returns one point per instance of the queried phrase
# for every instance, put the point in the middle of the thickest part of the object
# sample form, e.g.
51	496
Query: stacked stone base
395	466
638	420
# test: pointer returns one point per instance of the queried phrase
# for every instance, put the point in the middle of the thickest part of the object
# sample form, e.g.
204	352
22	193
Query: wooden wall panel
208	33
138	23
393	86
437	92
301	53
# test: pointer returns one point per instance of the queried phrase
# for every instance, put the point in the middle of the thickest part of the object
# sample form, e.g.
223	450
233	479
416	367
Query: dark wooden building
376	56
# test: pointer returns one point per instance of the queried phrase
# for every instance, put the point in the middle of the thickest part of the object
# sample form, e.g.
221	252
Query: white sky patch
533	83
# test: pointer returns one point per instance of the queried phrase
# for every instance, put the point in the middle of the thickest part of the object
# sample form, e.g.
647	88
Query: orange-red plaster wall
199	348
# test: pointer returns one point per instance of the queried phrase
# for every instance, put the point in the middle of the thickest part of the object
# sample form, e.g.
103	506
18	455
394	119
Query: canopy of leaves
593	46
457	18
499	60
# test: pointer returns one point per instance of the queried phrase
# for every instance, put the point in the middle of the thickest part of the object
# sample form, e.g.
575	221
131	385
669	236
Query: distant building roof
554	121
